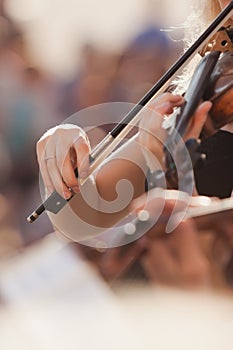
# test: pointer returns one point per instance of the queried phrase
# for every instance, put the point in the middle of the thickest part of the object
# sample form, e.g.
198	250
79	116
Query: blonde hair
202	14
209	9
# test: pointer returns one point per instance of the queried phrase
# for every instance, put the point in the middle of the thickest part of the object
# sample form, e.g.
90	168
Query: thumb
198	120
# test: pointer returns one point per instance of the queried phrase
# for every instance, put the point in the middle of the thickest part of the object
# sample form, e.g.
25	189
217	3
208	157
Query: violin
221	40
220	92
54	203
212	80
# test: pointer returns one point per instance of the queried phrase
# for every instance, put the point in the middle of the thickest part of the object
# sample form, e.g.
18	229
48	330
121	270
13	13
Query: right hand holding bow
59	151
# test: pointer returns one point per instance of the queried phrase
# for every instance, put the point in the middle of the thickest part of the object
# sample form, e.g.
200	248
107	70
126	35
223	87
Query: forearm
105	198
126	164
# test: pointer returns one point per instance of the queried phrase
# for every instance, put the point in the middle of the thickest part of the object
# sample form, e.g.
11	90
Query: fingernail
67	194
76	189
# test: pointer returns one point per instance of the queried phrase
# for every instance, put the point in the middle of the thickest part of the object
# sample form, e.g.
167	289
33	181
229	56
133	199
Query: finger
116	261
166	103
49	168
82	150
46	178
66	168
198	120
42	150
56	178
159	264
193	265
166	97
225	231
133	252
185	236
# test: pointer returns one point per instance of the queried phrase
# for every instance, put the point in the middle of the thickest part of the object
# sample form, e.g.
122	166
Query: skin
70	148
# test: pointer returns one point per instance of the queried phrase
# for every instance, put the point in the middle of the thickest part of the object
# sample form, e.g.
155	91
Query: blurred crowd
57	285
32	100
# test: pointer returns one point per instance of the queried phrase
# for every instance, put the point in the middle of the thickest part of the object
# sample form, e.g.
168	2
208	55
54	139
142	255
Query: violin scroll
221	41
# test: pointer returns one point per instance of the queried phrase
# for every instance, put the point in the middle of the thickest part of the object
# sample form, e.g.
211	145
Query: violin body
212	80
220	92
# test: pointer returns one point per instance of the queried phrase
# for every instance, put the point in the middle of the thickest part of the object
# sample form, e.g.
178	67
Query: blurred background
58	57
